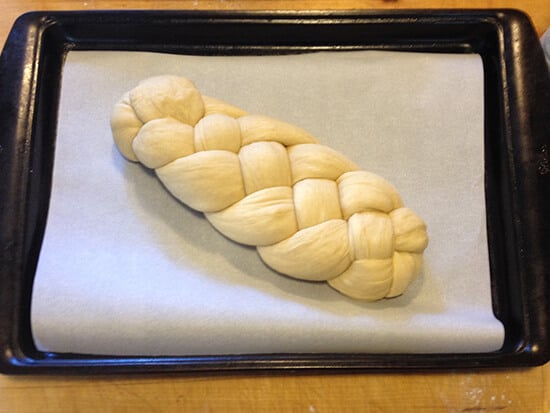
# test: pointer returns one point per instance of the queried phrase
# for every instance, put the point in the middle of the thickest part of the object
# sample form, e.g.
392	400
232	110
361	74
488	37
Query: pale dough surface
125	269
311	212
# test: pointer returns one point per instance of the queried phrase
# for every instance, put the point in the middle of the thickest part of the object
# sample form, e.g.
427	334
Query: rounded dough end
167	96
410	231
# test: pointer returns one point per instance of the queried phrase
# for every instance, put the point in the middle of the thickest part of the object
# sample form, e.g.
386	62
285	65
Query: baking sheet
127	270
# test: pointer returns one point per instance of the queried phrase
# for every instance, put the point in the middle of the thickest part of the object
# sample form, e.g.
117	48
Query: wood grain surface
513	391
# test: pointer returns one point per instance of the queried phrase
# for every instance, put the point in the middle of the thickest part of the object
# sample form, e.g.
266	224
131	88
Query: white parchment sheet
125	269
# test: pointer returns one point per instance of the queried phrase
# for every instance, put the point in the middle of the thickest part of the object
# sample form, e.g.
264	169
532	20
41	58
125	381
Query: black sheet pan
517	160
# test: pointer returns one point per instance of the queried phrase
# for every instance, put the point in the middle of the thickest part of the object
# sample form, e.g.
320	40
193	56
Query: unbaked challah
310	211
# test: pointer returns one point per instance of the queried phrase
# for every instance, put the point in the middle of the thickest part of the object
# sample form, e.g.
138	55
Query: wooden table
526	390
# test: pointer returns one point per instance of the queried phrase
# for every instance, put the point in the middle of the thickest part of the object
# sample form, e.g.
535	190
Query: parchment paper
125	269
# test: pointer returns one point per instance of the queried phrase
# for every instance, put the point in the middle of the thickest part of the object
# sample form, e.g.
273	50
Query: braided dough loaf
310	211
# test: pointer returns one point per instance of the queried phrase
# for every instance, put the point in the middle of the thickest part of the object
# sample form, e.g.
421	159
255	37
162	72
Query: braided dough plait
310	211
